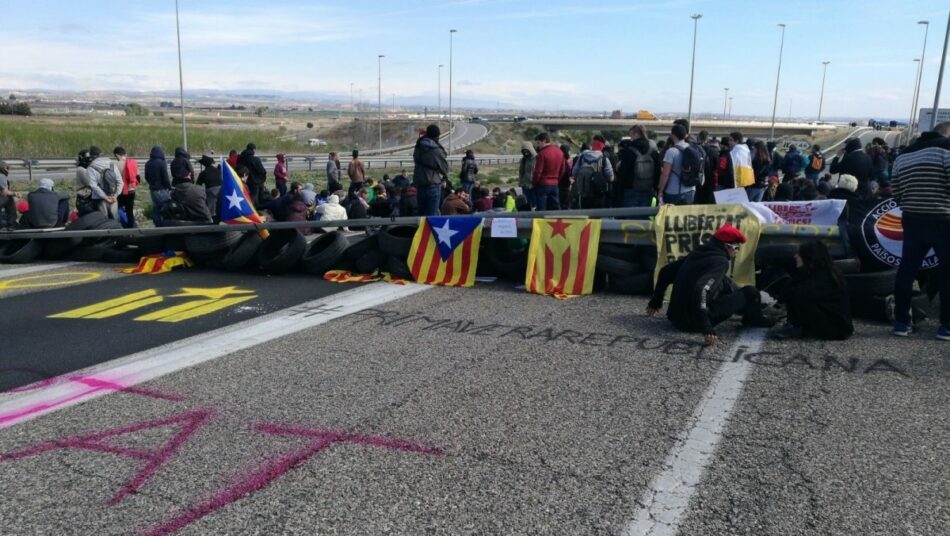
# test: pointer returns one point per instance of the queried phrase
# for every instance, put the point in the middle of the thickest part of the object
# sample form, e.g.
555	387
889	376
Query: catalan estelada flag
159	263
235	204
562	257
346	276
445	251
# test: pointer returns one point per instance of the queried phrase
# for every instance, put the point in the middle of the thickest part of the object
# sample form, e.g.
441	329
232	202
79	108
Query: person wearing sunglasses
703	295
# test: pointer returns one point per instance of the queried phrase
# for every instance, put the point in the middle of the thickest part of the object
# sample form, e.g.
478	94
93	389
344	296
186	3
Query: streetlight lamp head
453	31
697	16
781	24
923	22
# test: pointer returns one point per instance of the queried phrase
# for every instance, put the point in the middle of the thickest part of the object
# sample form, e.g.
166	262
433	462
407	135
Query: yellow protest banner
681	229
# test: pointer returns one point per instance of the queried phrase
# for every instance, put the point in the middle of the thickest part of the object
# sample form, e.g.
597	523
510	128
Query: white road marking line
11	272
666	500
155	362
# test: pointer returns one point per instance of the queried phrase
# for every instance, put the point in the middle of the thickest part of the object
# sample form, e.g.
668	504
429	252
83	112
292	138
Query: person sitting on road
48	209
703	296
190	203
456	203
816	298
381	206
331	210
409	202
482	201
210	179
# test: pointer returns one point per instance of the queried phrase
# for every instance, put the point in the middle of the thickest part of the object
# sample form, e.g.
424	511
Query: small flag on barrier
562	257
159	263
445	251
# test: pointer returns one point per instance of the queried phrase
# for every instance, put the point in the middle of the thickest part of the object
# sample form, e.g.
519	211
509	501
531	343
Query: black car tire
369	262
615	266
637	284
396	240
871	284
324	252
362	247
20	251
397	267
243	252
281	252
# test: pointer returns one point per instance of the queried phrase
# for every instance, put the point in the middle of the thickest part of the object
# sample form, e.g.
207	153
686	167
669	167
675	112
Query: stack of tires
626	269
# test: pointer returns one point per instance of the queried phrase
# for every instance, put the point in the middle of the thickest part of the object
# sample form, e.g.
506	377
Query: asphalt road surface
152	405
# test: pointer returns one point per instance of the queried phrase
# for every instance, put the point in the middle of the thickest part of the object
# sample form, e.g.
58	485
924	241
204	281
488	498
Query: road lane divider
52	395
665	502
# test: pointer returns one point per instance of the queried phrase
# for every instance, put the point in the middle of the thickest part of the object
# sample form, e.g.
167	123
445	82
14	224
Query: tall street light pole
920	75
692	69
943	63
379	99
451	121
439	117
910	122
725	101
821	99
729	113
351	96
181	82
777	78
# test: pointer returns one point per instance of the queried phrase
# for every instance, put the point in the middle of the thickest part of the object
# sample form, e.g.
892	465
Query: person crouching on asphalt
703	296
816	298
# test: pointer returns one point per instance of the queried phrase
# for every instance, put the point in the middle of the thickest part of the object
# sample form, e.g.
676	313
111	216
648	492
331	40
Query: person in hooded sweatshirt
159	182
852	160
526	169
638	182
703	295
181	167
280	173
431	167
105	190
331	210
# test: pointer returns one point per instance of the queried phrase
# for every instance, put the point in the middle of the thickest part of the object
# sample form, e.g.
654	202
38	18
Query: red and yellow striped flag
562	256
158	263
445	251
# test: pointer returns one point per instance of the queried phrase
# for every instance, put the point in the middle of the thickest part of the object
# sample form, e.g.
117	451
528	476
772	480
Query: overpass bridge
715	127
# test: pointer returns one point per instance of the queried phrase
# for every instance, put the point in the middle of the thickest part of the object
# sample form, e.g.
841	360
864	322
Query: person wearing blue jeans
430	198
544	193
685	198
672	189
431	167
921	185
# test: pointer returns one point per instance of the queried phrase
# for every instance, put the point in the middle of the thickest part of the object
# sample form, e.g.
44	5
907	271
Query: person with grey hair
921	183
7	197
48	208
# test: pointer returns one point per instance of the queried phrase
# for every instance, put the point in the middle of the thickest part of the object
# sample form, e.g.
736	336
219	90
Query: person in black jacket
181	167
159	182
703	296
852	160
816	298
258	176
210	179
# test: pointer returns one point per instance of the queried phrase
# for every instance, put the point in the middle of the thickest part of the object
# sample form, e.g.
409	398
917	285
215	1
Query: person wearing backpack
639	169
816	164
592	173
682	170
792	164
104	179
468	172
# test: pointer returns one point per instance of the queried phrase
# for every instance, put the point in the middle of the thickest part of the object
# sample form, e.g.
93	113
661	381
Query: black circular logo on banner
883	233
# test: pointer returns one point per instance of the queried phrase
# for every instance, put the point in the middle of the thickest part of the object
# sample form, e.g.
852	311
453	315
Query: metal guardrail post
29	167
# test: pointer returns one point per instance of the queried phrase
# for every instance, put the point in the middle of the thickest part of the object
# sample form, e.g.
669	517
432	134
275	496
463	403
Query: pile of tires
626	269
90	249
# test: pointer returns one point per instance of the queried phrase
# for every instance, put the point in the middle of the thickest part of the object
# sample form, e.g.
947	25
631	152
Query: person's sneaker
788	331
944	333
902	330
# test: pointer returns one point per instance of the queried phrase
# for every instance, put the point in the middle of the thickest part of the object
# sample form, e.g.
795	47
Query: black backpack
110	181
590	180
644	172
693	165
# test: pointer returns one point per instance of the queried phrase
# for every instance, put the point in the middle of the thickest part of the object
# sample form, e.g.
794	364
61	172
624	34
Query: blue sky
552	55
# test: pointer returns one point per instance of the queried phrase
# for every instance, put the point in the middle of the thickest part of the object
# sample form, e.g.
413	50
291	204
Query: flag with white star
445	251
235	204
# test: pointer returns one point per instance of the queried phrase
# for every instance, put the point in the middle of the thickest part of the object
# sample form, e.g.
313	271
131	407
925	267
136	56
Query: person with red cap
703	296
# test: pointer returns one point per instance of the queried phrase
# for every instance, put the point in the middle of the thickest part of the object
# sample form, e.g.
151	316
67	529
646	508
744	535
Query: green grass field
39	138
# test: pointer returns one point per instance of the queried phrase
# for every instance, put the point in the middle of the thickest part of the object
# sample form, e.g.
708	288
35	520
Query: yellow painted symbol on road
208	300
48	280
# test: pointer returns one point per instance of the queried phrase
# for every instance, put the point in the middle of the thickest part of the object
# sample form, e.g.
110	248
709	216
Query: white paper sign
822	212
731	196
504	228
